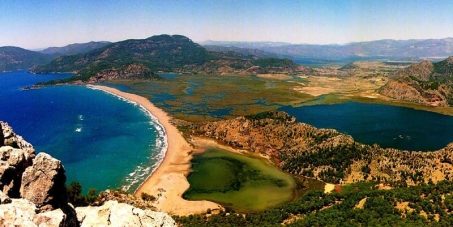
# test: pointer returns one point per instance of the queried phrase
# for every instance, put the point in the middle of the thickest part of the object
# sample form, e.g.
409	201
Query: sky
45	23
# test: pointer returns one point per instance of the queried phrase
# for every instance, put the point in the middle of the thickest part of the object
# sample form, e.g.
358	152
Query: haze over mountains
76	48
413	48
14	58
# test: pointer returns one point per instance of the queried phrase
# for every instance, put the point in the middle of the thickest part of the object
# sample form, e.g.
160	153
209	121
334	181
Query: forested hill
14	58
164	53
326	154
426	82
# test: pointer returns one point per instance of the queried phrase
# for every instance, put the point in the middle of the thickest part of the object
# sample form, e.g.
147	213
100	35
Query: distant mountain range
159	54
423	48
426	82
240	44
164	53
15	58
241	50
76	48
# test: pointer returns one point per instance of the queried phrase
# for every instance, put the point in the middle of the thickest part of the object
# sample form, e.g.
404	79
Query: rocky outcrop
43	183
421	71
9	138
425	82
124	197
33	193
408	89
22	212
15	156
4	199
128	72
113	213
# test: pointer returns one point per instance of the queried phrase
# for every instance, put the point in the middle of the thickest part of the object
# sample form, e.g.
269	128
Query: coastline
168	182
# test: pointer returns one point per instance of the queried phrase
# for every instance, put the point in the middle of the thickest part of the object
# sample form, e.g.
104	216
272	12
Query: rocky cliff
33	193
426	83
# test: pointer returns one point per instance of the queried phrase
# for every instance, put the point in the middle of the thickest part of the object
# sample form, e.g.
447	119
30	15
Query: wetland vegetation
196	97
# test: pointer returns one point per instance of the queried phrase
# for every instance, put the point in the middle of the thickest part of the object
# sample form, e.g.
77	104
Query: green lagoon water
243	183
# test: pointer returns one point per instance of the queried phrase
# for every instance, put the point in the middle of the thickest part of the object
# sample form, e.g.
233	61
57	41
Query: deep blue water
388	126
103	141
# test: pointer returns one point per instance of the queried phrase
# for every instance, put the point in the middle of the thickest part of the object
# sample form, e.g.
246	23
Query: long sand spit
168	182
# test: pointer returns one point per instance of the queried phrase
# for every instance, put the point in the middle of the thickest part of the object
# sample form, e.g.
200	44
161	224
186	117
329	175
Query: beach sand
169	181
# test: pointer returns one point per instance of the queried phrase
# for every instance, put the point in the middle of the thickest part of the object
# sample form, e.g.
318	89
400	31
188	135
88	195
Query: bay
103	141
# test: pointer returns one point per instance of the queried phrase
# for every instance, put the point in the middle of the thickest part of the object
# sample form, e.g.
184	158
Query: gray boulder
116	214
16	155
22	212
43	183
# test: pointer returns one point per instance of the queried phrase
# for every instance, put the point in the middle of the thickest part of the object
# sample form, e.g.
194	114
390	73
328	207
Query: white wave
140	173
78	130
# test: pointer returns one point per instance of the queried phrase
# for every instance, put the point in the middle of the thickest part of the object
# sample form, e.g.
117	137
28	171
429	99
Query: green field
239	182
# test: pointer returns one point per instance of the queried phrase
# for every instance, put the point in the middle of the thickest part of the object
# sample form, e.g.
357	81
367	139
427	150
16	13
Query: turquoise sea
102	140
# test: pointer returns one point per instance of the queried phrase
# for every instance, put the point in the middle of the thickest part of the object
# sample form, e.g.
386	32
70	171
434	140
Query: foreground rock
33	193
113	213
43	183
16	155
22	212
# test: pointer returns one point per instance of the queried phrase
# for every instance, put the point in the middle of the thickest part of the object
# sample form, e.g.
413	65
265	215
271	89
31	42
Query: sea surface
389	126
102	140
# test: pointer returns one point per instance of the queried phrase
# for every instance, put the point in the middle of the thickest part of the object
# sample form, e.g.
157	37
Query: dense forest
358	204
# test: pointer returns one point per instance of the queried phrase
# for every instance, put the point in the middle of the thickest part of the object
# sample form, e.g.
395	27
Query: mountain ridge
164	53
75	48
426	82
377	48
15	58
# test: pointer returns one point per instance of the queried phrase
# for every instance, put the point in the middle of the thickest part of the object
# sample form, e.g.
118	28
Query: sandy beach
169	181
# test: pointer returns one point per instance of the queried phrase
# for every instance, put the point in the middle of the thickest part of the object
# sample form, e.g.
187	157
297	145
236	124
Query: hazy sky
41	23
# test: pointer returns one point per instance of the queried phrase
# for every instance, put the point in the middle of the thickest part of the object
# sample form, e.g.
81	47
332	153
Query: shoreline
168	182
156	123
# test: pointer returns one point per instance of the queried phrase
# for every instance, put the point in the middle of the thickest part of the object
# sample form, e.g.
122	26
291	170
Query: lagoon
388	126
242	182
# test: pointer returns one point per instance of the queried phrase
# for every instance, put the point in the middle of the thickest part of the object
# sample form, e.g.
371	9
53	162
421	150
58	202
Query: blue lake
103	141
388	126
